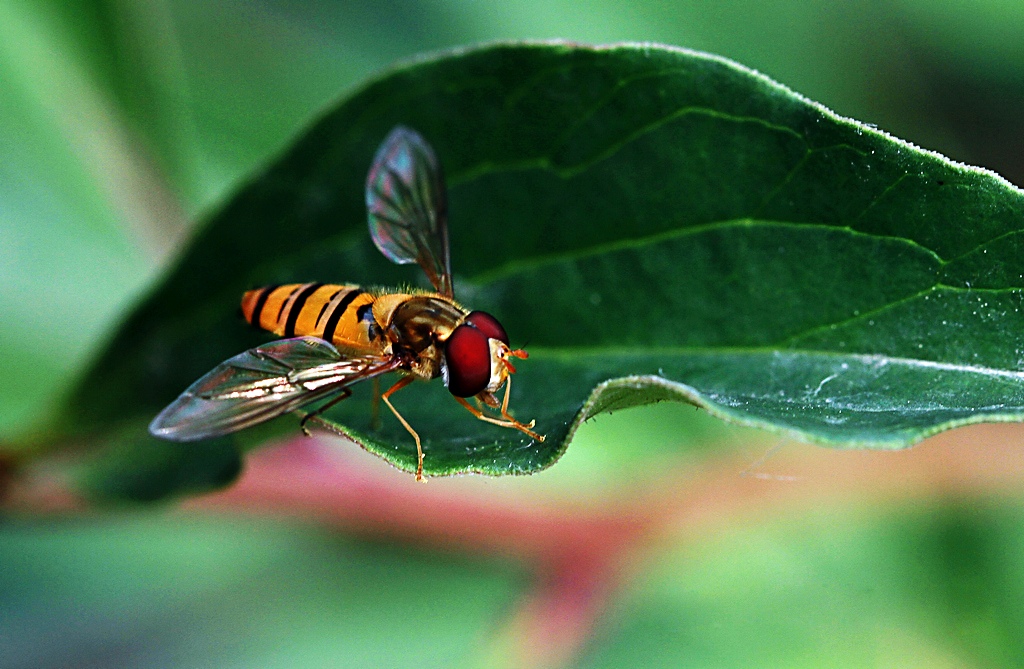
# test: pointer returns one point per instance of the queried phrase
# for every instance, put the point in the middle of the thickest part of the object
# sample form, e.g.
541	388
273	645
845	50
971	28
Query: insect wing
263	383
408	207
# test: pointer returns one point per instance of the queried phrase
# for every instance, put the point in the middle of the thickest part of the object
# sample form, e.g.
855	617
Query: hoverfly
339	335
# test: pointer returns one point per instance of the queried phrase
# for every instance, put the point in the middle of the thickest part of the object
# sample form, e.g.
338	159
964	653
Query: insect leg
504	401
519	426
508	421
402	383
345	394
375	404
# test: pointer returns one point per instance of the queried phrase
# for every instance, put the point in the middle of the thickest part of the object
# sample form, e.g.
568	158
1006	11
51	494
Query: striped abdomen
343	315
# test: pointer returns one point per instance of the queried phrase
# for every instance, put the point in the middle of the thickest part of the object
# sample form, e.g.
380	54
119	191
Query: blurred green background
123	122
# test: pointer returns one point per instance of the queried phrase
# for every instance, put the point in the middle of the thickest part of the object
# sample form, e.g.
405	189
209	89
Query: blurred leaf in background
124	122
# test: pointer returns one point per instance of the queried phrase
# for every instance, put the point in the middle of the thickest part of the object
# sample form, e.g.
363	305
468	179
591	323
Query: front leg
506	420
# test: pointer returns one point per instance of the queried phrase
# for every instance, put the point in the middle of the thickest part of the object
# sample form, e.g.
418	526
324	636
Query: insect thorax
422	320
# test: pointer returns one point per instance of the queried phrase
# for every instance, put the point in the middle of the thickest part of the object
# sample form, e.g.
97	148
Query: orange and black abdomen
340	314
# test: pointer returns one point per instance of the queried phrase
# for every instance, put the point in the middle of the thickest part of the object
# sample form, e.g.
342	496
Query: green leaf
806	588
182	591
651	223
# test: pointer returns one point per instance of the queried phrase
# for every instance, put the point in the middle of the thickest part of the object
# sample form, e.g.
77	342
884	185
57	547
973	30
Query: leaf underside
652	224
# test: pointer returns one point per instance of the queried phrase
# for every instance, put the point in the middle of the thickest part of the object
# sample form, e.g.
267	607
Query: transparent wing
408	208
263	383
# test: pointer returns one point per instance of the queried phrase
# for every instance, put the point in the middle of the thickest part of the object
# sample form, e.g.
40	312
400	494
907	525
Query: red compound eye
468	357
488	324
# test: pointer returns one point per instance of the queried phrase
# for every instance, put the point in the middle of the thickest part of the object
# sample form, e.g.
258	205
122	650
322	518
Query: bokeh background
123	122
